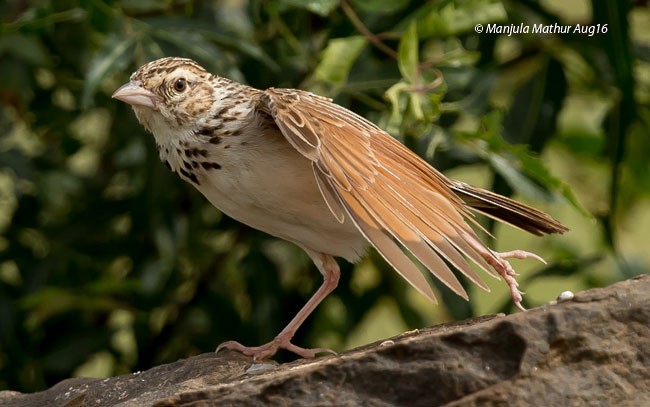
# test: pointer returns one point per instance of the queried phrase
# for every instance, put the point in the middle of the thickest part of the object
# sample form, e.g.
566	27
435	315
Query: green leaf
533	114
320	7
144	6
30	20
448	18
337	59
519	169
415	105
518	181
398	103
380	6
114	56
407	55
192	43
25	47
168	27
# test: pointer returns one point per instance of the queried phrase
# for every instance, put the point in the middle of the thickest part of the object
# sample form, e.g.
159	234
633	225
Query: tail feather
507	210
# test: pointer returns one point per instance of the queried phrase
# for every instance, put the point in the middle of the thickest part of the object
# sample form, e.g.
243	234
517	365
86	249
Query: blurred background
109	264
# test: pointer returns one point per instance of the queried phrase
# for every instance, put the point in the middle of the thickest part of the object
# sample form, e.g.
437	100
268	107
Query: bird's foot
269	349
503	267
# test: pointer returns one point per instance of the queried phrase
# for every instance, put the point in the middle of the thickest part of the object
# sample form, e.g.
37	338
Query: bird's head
170	96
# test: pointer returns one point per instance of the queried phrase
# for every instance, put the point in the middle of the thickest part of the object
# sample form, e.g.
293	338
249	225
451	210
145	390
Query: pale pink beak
135	95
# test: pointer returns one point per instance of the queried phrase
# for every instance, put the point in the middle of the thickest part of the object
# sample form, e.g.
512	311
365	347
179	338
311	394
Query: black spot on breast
215	140
190	176
208	131
168	165
195	152
210	166
187	165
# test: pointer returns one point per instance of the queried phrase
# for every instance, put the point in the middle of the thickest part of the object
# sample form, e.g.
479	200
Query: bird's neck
232	113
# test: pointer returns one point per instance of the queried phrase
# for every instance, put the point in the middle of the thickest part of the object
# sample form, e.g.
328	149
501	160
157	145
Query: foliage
109	264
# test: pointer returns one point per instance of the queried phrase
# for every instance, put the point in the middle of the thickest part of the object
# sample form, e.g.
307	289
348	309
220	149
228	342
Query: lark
300	167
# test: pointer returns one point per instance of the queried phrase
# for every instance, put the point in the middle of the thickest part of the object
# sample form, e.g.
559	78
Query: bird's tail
507	210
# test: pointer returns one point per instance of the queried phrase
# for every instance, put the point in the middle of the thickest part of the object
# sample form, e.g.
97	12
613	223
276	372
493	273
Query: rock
593	349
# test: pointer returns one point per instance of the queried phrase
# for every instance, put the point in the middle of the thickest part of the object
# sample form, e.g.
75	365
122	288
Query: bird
302	168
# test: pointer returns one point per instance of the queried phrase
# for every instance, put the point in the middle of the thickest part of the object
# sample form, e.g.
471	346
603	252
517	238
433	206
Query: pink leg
330	271
499	262
504	268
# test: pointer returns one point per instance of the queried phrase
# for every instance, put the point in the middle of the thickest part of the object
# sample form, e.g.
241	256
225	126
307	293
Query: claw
520	254
508	273
269	349
500	263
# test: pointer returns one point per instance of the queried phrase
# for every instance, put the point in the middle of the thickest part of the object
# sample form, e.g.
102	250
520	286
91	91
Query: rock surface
593	349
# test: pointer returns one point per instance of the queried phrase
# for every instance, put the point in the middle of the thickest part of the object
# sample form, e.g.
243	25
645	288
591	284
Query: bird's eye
180	85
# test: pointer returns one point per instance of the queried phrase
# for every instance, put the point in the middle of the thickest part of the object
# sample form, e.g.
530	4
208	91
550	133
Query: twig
358	24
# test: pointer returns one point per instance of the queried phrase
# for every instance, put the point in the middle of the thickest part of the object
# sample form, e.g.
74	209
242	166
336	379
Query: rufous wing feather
394	198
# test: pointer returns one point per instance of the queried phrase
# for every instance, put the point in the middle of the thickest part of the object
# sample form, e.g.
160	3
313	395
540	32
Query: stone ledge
591	350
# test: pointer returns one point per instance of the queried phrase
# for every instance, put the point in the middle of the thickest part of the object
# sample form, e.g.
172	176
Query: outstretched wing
395	198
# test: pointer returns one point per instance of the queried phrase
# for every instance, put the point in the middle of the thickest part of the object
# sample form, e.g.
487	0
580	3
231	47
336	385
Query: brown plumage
302	168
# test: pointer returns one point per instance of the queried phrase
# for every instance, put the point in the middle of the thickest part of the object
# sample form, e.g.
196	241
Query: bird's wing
395	198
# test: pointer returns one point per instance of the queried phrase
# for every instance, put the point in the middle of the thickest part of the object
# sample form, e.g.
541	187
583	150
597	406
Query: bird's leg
331	272
499	261
503	267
